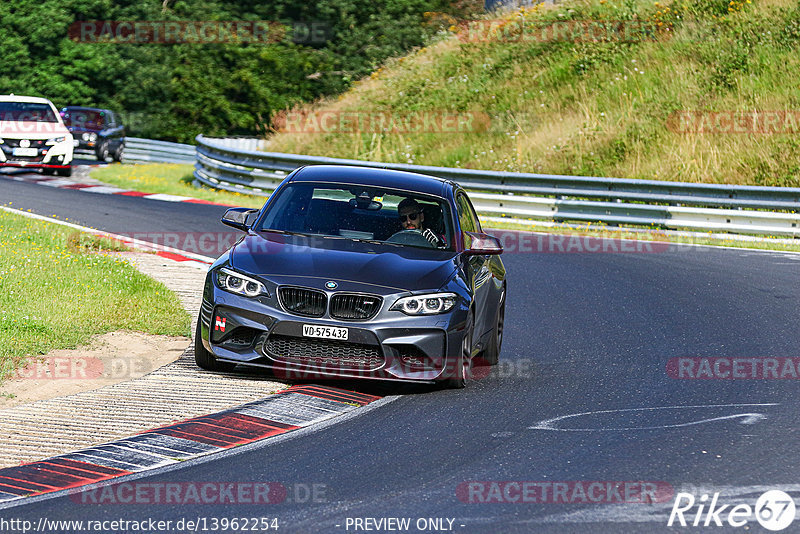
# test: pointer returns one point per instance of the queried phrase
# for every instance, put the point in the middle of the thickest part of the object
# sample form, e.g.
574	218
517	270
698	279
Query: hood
285	258
32	130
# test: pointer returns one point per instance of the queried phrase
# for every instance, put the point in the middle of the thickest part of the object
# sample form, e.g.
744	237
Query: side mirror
238	218
478	244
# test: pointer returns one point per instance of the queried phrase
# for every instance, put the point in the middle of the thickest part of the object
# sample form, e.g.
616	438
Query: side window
466	215
111	122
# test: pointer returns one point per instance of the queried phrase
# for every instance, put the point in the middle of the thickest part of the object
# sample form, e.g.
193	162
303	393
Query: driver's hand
431	237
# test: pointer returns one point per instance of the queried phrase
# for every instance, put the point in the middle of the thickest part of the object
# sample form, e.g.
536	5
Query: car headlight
92	137
2	141
240	284
426	304
55	140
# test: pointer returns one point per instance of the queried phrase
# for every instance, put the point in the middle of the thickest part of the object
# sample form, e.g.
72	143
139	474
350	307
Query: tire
48	171
64	172
203	358
492	353
118	153
102	151
462	374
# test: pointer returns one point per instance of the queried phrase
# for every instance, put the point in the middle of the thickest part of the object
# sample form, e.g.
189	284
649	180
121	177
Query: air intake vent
301	301
353	307
324	353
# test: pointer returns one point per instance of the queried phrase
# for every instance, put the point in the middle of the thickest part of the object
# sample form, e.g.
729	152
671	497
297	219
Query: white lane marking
747	418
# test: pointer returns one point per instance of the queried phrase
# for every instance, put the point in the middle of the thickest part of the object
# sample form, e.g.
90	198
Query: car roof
20	98
347	174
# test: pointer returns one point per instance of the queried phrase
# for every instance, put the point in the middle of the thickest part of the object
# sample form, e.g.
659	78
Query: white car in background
33	135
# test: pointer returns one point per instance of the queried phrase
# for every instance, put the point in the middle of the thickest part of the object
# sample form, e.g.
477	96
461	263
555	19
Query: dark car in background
327	283
96	131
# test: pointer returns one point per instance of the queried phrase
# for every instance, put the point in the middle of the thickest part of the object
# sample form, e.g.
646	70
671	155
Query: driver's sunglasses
410	217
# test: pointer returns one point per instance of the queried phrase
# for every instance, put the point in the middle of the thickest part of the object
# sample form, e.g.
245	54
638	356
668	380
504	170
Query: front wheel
119	152
102	151
462	374
492	353
203	358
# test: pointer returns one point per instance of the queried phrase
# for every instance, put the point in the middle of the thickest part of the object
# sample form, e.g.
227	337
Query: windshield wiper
285	232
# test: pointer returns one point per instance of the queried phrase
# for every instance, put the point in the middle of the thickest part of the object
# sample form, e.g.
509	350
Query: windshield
361	212
84	118
26	112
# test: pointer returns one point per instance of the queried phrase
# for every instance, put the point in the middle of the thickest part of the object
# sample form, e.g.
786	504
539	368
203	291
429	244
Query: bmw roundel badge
331	284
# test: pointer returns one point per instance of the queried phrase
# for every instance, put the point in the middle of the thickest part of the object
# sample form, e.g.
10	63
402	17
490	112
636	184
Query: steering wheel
410	237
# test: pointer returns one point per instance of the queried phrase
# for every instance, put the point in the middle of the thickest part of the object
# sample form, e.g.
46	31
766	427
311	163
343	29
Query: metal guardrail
138	150
673	205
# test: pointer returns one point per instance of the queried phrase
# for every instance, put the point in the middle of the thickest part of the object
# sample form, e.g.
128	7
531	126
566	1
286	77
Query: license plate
26	152
327	332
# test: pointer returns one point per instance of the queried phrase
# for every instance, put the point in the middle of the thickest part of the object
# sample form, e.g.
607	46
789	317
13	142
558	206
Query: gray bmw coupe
354	272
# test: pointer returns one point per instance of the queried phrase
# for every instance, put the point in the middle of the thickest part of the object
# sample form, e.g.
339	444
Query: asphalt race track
588	335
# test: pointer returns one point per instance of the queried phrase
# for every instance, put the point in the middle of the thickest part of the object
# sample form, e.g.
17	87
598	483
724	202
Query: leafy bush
175	91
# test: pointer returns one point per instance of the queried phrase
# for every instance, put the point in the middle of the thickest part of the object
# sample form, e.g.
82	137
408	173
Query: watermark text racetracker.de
380	122
514	242
564	31
213	244
519	368
198	32
205	493
563	492
754	122
734	368
84	368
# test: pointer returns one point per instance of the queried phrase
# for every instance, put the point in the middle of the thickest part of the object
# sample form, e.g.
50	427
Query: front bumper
391	346
85	146
57	156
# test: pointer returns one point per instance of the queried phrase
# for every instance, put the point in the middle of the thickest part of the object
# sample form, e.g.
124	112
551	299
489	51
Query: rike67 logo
774	510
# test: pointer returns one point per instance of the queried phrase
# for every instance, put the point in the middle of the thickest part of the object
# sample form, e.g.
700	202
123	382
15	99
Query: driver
412	218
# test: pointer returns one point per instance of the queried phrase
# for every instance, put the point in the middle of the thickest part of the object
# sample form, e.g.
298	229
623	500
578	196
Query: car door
114	131
478	273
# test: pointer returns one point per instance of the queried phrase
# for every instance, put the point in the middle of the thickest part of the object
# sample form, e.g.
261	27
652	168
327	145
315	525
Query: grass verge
59	287
561	102
170	179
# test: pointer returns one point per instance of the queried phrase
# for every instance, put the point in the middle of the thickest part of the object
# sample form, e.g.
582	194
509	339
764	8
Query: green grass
599	108
59	287
171	179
